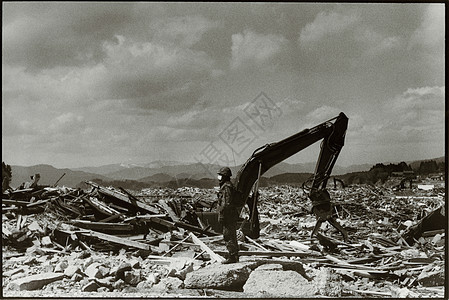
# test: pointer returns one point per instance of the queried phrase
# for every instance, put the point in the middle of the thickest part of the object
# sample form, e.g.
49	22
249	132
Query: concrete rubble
112	242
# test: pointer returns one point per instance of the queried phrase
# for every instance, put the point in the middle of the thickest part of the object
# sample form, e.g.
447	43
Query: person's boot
231	259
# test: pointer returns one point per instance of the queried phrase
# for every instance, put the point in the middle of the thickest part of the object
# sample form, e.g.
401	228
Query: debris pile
59	240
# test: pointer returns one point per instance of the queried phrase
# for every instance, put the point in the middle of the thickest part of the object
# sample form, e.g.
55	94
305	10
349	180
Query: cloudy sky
92	84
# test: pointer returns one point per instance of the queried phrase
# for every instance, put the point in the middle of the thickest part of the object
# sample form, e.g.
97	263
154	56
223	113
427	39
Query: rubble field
107	242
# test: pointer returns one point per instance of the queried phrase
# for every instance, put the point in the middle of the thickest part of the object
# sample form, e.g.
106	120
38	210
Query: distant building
426	187
436	176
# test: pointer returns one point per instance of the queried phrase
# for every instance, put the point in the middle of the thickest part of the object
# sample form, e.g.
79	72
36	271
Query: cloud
415	116
375	44
431	31
44	35
154	76
419	99
250	47
326	24
321	114
184	31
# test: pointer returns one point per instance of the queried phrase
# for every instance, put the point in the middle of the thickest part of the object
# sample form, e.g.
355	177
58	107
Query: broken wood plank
195	229
364	260
145	217
117	240
432	232
15	202
169	210
174	225
123	198
214	256
113	217
372	293
256	243
267	253
100	206
37	203
176	246
304	248
103	226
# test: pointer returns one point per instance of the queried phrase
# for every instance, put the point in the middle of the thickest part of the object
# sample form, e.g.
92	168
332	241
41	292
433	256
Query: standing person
228	214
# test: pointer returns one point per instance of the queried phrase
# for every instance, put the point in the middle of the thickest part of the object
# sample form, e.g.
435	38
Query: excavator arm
332	132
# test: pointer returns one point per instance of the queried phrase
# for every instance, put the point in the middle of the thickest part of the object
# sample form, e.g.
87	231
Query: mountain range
163	172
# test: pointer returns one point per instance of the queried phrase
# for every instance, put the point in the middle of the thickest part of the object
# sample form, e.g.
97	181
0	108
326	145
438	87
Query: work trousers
230	238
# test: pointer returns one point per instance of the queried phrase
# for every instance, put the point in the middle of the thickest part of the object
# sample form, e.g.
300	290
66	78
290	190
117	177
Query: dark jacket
226	209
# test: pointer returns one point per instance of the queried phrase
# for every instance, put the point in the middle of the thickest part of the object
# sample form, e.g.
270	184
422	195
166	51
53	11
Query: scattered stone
83	254
76	277
34	282
34	226
46	241
88	262
431	278
403	293
132	278
181	274
231	276
168	283
71	270
103	289
269	267
327	283
105	282
153	278
35	251
278	284
119	272
93	271
119	284
92	286
144	285
135	263
60	267
19	275
13	272
104	271
130	289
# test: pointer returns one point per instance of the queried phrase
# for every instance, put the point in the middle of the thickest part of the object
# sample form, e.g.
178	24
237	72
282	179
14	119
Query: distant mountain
114	168
174	173
283	167
49	175
178	171
159	177
102	169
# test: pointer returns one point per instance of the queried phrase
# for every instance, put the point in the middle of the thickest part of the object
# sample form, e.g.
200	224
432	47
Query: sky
90	84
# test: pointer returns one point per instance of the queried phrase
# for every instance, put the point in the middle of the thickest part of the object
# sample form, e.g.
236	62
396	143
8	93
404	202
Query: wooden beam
256	243
122	197
174	225
267	253
99	226
145	217
15	202
214	256
117	240
169	210
100	206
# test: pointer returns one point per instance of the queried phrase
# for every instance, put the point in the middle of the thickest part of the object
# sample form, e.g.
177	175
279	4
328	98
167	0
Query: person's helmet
225	171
